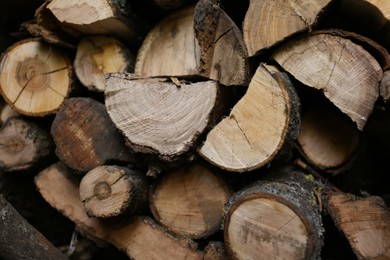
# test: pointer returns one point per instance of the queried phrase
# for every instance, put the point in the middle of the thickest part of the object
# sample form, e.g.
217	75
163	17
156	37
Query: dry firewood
327	150
35	77
364	221
140	238
223	52
347	74
20	240
108	191
215	250
278	218
23	144
99	17
158	117
99	55
269	22
85	137
384	86
189	201
260	127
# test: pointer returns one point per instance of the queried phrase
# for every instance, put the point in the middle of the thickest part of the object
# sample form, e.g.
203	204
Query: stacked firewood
174	129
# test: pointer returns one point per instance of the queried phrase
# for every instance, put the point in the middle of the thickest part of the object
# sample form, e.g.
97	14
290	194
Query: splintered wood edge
238	136
141	238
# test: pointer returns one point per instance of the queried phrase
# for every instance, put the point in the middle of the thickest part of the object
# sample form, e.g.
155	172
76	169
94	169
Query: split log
269	22
23	144
215	250
223	52
354	92
260	128
141	238
108	191
278	218
35	77
330	150
364	221
85	136
220	56
99	55
103	17
158	117
189	201
20	240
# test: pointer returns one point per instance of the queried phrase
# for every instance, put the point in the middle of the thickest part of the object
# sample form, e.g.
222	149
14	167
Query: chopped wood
215	250
99	55
85	136
347	74
35	77
384	86
364	221
20	240
108	191
263	122
268	22
223	52
158	117
6	111
141	238
199	197
23	144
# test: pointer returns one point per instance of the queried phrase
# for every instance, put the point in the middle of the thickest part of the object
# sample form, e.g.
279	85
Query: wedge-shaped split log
348	75
261	125
35	77
159	117
140	237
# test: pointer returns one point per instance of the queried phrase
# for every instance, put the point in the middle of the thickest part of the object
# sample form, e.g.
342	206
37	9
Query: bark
199	196
36	77
85	137
20	240
260	127
355	92
215	250
23	144
364	221
269	22
6	111
109	191
99	55
140	238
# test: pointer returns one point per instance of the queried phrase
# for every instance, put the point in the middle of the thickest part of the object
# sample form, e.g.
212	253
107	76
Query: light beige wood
189	201
108	191
382	5
35	77
365	222
268	22
256	129
158	117
141	238
347	74
99	55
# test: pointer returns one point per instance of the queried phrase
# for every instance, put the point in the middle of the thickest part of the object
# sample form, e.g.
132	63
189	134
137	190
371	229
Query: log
383	6
364	221
85	137
215	250
223	52
23	144
140	238
327	150
189	201
110	191
260	128
99	55
35	77
6	111
169	4
102	17
20	240
355	92
160	118
278	218
269	22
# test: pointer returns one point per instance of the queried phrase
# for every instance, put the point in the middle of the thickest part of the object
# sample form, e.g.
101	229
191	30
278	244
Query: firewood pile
210	129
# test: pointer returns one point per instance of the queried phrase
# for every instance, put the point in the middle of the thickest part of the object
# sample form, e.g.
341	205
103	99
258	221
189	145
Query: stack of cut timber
211	130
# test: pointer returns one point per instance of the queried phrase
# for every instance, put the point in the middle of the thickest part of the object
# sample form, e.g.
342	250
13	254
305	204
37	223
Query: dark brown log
20	240
85	136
